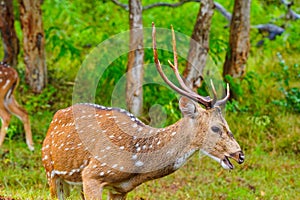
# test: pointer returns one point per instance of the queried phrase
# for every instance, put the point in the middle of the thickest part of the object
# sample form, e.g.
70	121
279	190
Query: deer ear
188	107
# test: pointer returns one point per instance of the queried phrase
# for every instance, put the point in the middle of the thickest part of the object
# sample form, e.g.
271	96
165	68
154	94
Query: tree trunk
8	33
237	55
199	45
34	44
135	71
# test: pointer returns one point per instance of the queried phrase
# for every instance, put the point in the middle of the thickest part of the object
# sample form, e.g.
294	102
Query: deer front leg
92	185
59	188
81	193
5	118
17	110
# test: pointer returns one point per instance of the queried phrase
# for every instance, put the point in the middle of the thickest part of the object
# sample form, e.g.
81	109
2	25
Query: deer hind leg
17	110
5	118
116	196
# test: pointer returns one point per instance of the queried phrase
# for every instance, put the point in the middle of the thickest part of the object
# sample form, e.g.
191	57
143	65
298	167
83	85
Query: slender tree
33	43
135	71
8	33
239	44
199	45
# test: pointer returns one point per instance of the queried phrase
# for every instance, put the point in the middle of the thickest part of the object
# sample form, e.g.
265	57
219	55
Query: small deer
8	105
101	147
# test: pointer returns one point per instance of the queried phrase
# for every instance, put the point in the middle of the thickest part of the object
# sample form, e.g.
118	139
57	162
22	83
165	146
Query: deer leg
93	189
66	189
5	118
52	186
17	110
92	185
81	193
116	196
59	188
53	180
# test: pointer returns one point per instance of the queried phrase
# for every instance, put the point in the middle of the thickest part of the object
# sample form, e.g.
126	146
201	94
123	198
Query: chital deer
101	147
8	105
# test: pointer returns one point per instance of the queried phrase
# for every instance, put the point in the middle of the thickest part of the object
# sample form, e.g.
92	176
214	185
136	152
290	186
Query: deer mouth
226	164
239	157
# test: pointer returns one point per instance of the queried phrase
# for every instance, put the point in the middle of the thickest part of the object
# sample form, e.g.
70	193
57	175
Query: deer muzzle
239	157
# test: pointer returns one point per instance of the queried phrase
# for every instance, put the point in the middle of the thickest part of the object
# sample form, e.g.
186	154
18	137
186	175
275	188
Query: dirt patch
6	198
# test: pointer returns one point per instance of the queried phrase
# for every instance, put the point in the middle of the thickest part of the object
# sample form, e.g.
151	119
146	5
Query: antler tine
198	98
214	92
223	101
175	66
159	68
174	48
158	65
202	100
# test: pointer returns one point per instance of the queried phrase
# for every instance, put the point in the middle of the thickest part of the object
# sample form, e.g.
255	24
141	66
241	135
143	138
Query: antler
184	90
222	101
175	66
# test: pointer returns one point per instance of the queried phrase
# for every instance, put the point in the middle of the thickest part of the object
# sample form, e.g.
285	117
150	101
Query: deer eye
215	129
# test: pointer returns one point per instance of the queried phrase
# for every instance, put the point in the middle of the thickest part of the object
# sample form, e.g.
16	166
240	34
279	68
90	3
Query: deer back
8	79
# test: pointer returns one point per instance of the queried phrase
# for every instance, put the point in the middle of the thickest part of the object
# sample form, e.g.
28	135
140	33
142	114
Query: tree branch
290	13
271	30
172	5
122	5
223	11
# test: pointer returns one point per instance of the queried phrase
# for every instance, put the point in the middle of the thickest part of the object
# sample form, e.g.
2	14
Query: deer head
217	141
102	147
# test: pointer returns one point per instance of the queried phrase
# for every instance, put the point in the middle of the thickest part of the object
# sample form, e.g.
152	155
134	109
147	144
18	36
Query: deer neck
167	148
182	143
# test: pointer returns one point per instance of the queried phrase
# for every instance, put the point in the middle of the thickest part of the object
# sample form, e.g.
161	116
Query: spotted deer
8	105
101	147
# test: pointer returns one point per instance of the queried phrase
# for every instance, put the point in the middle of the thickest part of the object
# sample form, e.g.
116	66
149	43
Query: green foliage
291	94
260	121
240	88
60	44
236	107
42	101
292	99
235	85
264	116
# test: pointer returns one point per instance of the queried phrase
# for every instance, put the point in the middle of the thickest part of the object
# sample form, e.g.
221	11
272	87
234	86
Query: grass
204	179
263	176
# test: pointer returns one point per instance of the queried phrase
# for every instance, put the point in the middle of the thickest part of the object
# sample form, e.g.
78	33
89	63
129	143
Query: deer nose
241	157
238	156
